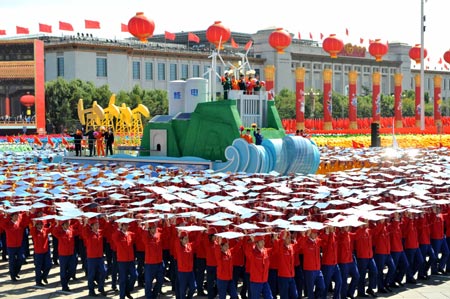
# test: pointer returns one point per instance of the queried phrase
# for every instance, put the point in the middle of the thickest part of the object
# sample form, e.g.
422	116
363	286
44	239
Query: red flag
88	24
361	145
440	60
50	142
310	36
248	45
123	27
361	40
22	139
2	32
445	66
234	44
193	37
10	139
65	26
37	141
168	35
355	144
321	35
346	31
299	36
45	28
22	30
65	142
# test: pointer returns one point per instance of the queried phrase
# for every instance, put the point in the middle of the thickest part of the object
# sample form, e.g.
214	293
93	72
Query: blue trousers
364	265
439	246
256	289
273	281
401	265
153	272
186	285
238	274
427	251
140	260
349	270
332	273
200	268
314	278
226	286
382	260
415	261
114	269
42	266
96	272
67	269
299	280
127	277
211	276
16	259
287	288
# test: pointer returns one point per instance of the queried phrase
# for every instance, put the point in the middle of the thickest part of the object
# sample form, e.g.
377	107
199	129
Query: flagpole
422	71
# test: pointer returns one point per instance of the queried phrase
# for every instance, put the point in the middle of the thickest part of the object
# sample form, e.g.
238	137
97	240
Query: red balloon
414	53
217	33
141	27
333	45
280	40
447	56
378	49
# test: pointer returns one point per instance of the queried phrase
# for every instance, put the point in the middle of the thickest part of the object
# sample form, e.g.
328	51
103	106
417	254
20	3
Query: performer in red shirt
285	251
124	241
330	268
154	266
208	242
224	259
424	237
93	240
65	234
411	243
382	256
184	255
42	260
347	264
438	240
258	258
397	253
14	226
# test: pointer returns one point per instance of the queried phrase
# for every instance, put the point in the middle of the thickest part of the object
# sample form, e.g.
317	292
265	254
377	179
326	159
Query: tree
285	103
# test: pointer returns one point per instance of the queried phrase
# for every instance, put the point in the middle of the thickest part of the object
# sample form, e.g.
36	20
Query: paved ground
438	287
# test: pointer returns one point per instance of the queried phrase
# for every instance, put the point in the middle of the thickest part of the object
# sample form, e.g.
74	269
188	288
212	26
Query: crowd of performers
402	248
249	84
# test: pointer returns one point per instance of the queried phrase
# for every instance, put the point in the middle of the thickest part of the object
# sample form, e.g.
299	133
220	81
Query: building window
196	70
184	71
161	71
148	71
173	72
102	67
136	70
60	66
205	72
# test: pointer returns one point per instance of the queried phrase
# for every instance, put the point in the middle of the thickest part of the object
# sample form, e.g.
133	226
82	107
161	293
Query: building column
376	97
327	100
398	100
300	97
269	74
352	100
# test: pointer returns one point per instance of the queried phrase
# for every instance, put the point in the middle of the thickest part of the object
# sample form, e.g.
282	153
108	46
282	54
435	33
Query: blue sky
389	20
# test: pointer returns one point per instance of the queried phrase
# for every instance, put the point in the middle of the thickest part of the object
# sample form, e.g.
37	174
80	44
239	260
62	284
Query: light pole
422	72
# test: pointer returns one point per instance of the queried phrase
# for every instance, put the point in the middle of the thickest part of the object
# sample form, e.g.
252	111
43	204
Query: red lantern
414	53
28	101
141	27
447	56
218	34
333	45
378	49
280	40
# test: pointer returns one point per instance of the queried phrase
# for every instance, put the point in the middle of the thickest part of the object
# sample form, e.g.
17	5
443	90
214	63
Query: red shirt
437	226
381	239
66	240
209	248
345	248
363	243
14	230
395	236
40	239
410	233
311	253
423	230
258	261
124	245
286	260
184	256
93	242
329	249
153	246
225	261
